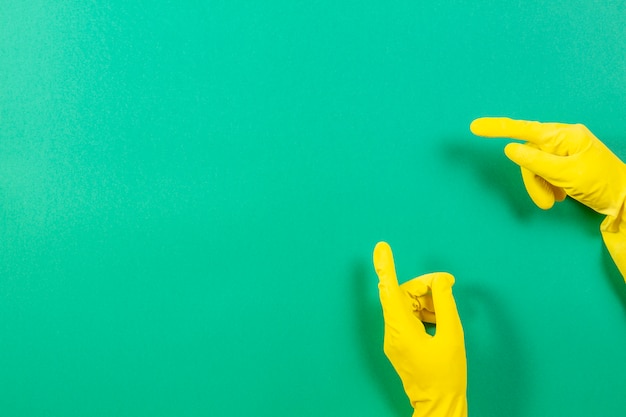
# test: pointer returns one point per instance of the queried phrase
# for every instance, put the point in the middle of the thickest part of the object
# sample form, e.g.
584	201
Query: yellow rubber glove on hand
562	159
433	369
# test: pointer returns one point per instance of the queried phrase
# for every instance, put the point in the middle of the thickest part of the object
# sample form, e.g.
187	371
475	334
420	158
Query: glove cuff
445	406
613	223
613	230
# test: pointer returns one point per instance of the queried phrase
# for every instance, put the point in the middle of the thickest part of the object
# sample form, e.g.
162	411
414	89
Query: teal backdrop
190	193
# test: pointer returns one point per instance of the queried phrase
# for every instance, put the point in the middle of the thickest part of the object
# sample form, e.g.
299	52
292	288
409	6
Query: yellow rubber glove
433	369
563	159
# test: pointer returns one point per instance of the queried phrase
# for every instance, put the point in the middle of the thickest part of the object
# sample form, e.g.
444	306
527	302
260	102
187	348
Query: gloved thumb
391	297
384	265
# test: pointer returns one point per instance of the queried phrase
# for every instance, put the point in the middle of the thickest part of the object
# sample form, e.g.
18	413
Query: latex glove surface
562	159
433	369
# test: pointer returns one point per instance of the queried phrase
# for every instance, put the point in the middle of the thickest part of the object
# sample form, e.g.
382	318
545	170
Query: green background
190	193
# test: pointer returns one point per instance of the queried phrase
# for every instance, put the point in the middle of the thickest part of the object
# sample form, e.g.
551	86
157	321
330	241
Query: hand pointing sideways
558	159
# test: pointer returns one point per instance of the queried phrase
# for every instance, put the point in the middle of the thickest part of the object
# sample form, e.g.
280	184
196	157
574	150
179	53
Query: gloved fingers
543	164
422	302
448	320
395	304
540	191
419	293
504	127
417	286
426	316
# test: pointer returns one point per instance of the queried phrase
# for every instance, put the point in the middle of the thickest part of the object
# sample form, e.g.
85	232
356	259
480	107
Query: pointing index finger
504	127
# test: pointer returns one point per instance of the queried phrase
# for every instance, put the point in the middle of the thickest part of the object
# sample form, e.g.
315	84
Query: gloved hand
433	369
561	159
